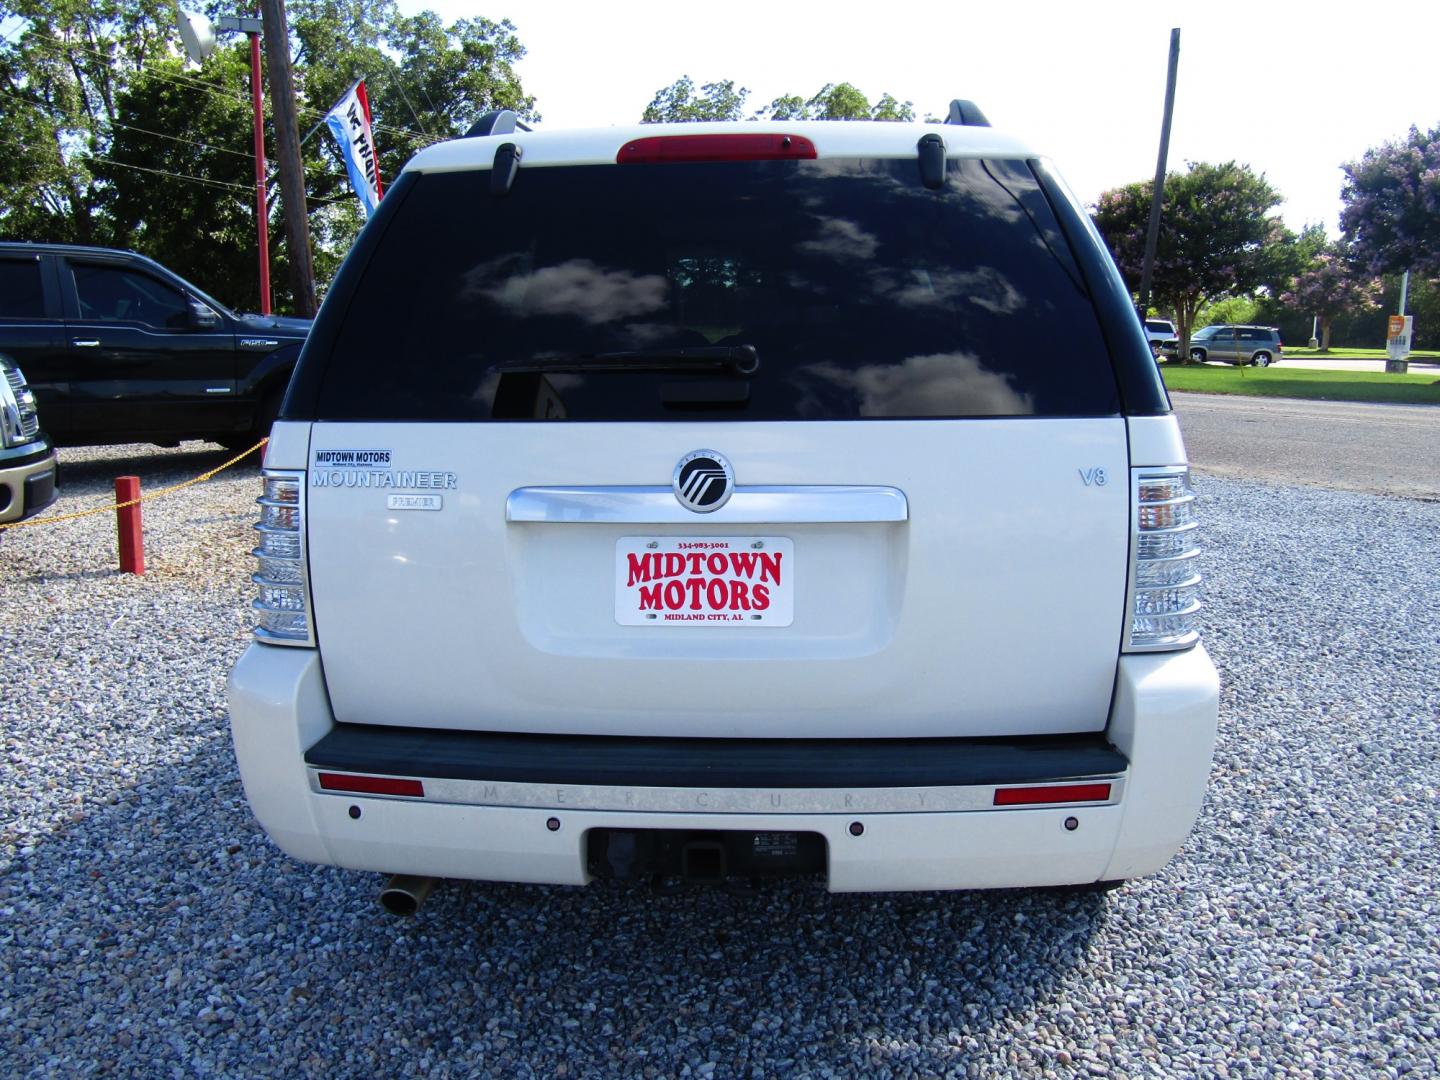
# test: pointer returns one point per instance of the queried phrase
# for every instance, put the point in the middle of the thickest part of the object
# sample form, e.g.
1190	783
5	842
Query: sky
1292	89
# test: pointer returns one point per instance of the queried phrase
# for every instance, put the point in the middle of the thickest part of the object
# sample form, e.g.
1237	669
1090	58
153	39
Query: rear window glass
20	292
614	292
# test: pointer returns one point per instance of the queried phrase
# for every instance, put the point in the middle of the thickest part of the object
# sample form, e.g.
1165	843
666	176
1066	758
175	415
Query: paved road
1387	449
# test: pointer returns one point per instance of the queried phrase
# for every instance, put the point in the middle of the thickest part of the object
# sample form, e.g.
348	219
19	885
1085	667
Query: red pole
262	212
127	521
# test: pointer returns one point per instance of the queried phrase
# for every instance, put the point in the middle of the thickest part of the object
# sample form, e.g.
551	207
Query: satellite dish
197	33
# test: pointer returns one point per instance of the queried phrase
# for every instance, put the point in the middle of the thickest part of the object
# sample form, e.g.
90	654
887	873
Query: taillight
282	610
1164	593
746	146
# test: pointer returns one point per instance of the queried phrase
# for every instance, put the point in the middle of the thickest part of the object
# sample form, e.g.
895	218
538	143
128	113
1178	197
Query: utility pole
287	146
1152	233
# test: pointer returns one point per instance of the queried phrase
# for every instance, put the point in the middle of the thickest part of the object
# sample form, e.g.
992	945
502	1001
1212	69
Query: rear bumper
1160	737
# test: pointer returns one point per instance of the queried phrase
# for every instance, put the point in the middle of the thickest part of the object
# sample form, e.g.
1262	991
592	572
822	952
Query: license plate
704	581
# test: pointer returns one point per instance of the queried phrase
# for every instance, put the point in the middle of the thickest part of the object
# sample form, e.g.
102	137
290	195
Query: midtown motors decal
704	581
352	459
371	469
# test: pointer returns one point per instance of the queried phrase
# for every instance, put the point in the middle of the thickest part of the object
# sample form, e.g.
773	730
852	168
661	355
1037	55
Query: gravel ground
148	928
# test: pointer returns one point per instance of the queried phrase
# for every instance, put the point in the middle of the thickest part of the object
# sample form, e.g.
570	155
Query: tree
426	81
1333	285
1391	214
1230	310
109	138
721	101
887	108
177	180
60	78
836	101
1218	237
679	102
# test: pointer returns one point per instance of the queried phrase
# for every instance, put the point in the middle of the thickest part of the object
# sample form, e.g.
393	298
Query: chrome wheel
1197	355
1261	359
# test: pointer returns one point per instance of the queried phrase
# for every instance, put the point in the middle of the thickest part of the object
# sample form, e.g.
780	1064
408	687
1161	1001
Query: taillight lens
282	608
1164	602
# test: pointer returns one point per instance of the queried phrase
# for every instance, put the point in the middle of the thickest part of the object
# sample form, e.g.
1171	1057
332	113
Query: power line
139	168
147	131
188	80
206	180
406	98
191	142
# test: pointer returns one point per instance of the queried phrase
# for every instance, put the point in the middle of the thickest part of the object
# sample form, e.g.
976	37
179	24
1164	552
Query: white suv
715	501
1163	337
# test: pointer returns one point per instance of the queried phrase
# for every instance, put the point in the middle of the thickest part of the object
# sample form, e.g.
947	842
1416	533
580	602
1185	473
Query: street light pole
198	35
262	211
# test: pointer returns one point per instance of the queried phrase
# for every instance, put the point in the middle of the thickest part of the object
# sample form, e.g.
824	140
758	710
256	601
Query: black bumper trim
39	492
713	763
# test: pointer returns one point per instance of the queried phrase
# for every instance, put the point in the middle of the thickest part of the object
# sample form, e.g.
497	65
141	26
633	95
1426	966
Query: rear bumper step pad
713	763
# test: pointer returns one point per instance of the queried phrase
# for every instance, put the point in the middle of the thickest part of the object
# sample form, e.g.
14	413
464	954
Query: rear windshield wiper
736	359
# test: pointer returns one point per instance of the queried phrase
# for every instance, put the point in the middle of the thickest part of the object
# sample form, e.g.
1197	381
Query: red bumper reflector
1034	796
372	785
738	147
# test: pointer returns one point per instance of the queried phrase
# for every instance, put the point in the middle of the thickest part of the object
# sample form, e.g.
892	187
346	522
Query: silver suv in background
1258	346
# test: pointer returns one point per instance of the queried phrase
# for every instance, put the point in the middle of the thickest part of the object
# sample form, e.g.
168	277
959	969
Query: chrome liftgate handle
773	505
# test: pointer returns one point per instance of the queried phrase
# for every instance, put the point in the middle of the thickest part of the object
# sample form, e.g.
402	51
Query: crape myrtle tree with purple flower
1391	214
1219	237
1335	283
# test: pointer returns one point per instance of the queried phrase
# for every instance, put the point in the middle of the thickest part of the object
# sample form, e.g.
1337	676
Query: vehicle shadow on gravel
162	465
239	960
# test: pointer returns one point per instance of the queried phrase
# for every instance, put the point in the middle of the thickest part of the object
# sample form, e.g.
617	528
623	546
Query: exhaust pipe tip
404	893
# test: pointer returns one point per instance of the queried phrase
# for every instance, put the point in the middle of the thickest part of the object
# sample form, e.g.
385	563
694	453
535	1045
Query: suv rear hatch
929	461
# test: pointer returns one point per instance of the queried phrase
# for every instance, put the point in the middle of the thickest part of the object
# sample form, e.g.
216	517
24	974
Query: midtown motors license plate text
704	581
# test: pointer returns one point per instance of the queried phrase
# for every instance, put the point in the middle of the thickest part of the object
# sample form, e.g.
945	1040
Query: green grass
1303	383
1353	354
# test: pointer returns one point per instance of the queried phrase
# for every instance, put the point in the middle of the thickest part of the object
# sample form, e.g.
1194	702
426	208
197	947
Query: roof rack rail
496	122
967	113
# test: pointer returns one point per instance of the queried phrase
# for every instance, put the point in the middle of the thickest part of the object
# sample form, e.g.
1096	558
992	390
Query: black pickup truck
118	349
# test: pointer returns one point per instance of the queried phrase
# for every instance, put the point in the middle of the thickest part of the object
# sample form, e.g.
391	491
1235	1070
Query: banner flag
349	121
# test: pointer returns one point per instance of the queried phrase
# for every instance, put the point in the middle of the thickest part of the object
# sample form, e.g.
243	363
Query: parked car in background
27	460
683	501
1230	343
119	349
1164	340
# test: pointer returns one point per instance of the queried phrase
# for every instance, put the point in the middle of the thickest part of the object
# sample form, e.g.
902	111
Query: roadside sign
1397	343
1397	339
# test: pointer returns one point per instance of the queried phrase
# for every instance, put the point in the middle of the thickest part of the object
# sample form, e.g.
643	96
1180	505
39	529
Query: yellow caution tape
110	508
